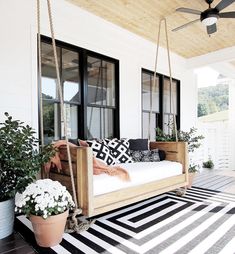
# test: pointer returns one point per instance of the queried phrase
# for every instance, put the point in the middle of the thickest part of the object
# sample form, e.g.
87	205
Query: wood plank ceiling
142	17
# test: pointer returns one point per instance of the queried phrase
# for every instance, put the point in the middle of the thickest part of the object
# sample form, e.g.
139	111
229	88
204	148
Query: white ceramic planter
7	213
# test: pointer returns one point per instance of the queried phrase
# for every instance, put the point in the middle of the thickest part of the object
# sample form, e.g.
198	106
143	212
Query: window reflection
71	121
170	97
174	98
69	66
146	91
70	76
155	95
150	95
50	121
49	90
100	122
166	96
145	127
101	82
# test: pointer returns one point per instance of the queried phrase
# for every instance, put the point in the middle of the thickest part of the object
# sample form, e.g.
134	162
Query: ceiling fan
210	16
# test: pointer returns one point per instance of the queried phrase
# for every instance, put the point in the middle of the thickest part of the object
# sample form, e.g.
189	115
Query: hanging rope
169	66
170	74
63	113
73	224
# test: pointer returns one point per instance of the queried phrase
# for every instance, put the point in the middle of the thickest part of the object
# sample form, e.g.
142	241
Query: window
150	105
101	98
89	85
170	102
159	103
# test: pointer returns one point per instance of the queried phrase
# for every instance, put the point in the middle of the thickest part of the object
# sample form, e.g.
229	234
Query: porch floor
221	180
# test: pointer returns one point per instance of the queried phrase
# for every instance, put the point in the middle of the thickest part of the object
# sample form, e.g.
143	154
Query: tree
202	109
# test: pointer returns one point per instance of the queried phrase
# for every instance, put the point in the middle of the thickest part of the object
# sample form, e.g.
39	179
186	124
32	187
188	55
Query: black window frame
161	113
82	109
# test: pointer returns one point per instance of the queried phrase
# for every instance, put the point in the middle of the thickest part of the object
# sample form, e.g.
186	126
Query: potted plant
20	161
47	204
208	164
191	138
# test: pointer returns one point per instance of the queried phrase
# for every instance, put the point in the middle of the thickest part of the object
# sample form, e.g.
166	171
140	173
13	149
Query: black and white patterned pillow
101	151
120	150
145	155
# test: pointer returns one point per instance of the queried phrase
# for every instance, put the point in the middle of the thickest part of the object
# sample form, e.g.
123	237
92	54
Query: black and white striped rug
203	221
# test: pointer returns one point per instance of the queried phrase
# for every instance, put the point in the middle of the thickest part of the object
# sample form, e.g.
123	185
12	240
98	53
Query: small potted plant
208	164
47	204
20	161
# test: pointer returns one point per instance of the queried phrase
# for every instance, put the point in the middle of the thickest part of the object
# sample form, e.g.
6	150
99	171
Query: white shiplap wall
18	60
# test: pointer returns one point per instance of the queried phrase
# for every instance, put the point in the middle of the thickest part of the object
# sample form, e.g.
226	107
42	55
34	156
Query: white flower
44	197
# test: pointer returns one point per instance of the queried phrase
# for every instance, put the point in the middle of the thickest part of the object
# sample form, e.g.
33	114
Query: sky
206	76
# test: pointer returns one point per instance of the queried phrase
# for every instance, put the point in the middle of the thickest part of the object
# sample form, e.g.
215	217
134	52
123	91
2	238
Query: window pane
50	122
166	96
70	76
174	98
145	132
145	121
168	123
153	127
146	91
95	86
107	123
71	121
108	80
155	95
100	123
49	90
93	122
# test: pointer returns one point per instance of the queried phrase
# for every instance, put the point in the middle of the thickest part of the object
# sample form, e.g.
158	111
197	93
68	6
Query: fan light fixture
209	21
209	16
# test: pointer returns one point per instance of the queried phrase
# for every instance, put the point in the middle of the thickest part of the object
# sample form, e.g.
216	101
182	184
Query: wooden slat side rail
65	169
64	156
64	180
85	179
175	151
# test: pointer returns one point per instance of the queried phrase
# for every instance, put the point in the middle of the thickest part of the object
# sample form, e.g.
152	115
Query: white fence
215	146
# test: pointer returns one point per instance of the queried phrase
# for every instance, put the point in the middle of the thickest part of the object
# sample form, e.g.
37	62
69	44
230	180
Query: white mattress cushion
140	173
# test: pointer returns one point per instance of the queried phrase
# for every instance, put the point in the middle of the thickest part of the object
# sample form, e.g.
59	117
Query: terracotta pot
49	232
190	180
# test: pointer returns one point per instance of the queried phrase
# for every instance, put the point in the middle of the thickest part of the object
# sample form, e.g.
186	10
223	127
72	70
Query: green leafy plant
208	164
20	157
190	137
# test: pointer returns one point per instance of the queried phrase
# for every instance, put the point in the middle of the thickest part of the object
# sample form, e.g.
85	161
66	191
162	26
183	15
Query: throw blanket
99	167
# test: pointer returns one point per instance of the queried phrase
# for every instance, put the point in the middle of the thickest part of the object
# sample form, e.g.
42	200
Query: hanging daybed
92	204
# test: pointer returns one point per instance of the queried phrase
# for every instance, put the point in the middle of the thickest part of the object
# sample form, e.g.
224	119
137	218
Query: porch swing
82	159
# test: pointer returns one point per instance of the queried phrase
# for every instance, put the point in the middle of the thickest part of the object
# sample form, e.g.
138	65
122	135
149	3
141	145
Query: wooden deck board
15	244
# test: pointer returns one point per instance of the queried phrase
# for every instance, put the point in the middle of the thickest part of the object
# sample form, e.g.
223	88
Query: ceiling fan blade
227	14
211	29
187	24
187	10
223	4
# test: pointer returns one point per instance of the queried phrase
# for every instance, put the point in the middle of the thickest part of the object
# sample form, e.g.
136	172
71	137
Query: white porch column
232	125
